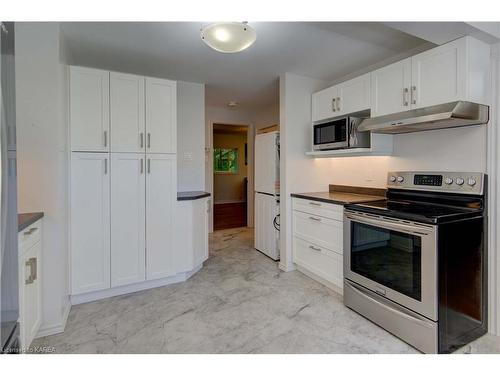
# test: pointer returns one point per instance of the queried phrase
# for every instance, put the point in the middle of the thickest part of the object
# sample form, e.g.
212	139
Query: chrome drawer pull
314	218
30	231
314	248
315	204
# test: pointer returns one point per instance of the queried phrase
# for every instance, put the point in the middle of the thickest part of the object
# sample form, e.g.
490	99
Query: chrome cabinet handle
414	94
405	97
338	104
149	165
29	231
105	138
314	218
34	268
333	104
32	264
142	166
314	248
149	140
106	166
315	204
142	140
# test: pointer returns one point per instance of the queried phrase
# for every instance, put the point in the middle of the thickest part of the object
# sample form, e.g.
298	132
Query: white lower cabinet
30	291
160	199
128	215
318	240
90	222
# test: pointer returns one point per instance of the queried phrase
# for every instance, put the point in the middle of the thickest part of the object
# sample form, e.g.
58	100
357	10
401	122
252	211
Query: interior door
90	222
353	95
390	88
89	109
438	75
128	210
127	105
161	115
160	199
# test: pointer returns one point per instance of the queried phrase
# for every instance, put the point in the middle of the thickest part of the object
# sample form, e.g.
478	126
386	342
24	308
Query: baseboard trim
285	268
321	280
54	329
126	289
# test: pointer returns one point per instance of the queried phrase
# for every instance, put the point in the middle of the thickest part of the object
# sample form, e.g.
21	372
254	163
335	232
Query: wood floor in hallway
230	215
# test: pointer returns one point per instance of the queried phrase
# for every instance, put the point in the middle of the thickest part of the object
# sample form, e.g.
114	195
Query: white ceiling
326	51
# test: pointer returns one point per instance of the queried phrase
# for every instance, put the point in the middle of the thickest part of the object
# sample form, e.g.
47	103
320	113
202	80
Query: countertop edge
334	201
191	195
25	219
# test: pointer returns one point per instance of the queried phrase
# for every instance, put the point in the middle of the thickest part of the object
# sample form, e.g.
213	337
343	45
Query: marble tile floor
240	302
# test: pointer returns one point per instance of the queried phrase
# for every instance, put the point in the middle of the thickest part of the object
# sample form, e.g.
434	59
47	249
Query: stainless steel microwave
339	133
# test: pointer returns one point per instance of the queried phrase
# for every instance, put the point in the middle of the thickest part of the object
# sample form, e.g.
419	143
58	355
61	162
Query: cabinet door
89	109
353	95
161	116
128	212
200	231
438	75
390	88
127	113
160	198
323	105
30	293
90	222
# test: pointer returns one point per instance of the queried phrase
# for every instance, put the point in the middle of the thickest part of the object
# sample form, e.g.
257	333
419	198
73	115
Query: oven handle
382	222
390	308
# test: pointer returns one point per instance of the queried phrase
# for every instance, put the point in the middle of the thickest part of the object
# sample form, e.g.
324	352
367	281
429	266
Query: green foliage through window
226	160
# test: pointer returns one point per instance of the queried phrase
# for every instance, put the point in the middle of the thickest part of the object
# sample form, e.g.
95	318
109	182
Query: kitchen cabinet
127	106
89	109
161	115
390	88
160	199
200	231
30	276
128	218
317	231
345	98
90	222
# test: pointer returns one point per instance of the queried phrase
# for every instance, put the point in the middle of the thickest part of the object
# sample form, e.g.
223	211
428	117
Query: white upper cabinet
390	88
353	95
127	104
89	109
344	98
90	222
128	213
161	188
161	115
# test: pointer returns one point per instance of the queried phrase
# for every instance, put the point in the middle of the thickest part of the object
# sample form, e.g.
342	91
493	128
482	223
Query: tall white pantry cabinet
123	179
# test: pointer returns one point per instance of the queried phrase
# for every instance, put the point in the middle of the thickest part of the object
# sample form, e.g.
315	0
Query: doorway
230	175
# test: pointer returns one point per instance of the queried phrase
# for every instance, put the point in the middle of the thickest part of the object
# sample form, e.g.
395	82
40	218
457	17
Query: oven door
393	258
331	135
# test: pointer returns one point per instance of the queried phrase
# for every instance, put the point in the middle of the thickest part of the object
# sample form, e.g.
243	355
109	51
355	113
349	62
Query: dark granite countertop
26	219
191	195
340	194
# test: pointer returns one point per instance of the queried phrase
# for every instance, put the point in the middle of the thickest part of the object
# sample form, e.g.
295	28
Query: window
226	160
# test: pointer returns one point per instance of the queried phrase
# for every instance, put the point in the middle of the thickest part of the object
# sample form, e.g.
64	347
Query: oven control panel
450	182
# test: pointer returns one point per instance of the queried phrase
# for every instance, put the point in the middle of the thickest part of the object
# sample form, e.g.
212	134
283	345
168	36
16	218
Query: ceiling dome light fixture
228	37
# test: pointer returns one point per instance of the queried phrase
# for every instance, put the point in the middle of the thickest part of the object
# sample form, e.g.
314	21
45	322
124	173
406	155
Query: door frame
250	170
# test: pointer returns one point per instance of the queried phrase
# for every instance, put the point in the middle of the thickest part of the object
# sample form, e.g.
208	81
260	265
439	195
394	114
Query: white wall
190	136
41	94
266	116
231	116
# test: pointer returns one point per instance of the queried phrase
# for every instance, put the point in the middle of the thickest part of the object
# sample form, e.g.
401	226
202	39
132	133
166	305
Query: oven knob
401	178
460	181
471	182
448	181
392	178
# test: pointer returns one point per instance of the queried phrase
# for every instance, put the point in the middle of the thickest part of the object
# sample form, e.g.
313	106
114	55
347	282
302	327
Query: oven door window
331	132
388	257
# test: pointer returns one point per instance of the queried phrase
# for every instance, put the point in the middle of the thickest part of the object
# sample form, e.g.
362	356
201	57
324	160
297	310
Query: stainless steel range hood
448	115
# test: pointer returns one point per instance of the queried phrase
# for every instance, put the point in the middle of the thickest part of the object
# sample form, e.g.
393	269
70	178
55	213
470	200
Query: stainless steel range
416	262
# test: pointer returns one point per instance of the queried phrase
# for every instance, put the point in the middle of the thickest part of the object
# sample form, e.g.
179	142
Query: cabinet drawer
318	260
29	236
329	210
318	230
